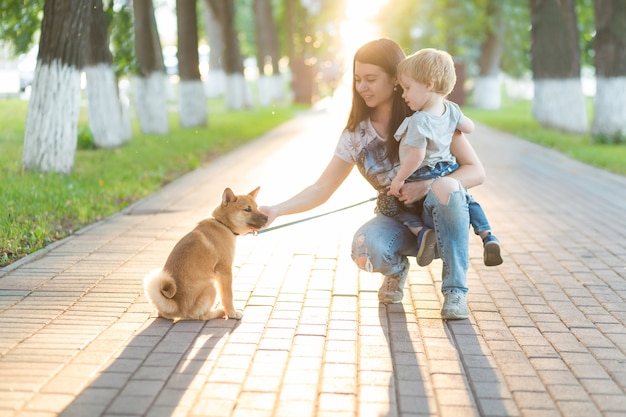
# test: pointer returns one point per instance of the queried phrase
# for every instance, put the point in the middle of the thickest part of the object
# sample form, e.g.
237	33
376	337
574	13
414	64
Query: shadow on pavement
155	370
407	384
483	383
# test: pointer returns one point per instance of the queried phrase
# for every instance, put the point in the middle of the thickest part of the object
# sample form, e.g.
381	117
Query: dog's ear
228	197
254	192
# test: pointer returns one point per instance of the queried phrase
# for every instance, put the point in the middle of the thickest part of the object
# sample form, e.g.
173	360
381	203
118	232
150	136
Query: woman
384	243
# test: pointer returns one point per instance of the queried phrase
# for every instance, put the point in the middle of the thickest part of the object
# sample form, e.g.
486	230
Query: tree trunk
214	84
267	53
193	106
106	115
238	94
487	94
290	17
558	100
151	97
52	122
301	71
609	123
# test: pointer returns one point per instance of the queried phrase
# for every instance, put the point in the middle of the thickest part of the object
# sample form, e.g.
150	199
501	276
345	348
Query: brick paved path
546	335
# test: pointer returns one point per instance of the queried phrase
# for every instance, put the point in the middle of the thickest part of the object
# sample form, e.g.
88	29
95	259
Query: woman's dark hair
385	54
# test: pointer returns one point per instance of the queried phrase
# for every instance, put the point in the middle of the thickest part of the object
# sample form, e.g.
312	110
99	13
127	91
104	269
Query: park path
546	336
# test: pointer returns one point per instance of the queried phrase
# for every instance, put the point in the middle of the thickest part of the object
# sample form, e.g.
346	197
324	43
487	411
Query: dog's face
240	212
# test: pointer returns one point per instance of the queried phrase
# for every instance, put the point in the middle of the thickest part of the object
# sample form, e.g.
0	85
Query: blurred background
137	61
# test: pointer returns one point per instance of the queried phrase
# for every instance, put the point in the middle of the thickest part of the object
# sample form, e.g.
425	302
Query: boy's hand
395	187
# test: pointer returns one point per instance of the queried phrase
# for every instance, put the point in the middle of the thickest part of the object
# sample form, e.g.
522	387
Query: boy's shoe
454	307
425	246
391	292
491	253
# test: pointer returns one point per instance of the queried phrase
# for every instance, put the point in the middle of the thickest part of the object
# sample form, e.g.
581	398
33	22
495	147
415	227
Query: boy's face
416	94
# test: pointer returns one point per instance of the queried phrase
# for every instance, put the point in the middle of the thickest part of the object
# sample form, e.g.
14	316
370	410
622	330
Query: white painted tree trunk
127	125
271	89
216	77
487	92
265	90
52	122
609	115
560	104
193	106
278	87
151	101
238	94
105	111
215	83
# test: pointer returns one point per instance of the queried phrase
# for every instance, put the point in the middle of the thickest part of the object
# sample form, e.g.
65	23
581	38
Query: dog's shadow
154	370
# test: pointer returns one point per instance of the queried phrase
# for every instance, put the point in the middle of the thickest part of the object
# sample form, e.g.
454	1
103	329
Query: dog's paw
237	315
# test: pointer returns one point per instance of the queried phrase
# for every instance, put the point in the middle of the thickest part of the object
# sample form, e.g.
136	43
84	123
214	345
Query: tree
558	100
237	90
270	84
487	85
193	106
52	122
216	80
106	115
298	29
151	80
609	123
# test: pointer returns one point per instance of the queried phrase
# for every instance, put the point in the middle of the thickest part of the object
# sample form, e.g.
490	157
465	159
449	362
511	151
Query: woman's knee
363	263
444	187
360	251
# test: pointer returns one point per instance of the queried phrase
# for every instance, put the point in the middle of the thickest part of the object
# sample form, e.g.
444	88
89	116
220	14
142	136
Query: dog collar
224	224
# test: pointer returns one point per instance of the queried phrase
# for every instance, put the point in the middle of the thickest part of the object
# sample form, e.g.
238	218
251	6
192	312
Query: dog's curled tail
160	288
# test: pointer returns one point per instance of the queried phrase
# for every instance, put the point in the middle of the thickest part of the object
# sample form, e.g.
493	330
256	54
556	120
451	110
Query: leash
269	229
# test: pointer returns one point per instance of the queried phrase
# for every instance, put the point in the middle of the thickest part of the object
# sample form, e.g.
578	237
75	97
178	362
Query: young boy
427	77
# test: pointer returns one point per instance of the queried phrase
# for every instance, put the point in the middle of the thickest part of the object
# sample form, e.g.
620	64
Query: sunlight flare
360	23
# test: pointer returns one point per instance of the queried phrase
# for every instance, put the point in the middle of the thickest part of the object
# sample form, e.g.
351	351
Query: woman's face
373	84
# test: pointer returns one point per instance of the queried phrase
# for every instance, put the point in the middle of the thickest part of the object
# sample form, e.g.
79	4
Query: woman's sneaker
454	307
491	251
425	246
391	292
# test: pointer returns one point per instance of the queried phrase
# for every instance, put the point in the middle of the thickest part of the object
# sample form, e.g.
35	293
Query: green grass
516	117
39	208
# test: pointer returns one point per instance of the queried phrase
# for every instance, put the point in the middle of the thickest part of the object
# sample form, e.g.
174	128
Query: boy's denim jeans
386	242
478	218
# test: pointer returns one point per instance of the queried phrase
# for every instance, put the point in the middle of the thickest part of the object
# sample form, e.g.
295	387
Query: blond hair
430	65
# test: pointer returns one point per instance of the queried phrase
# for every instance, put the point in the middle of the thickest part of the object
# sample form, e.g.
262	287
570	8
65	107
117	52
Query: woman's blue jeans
386	242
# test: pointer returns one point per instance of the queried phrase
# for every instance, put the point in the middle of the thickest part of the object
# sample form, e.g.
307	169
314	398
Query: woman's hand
412	192
271	214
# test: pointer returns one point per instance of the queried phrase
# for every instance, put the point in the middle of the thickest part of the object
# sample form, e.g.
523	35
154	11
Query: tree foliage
122	37
20	22
452	25
20	25
586	27
459	27
516	56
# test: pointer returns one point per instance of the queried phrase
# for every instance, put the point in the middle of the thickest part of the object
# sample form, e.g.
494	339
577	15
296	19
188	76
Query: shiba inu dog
200	265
